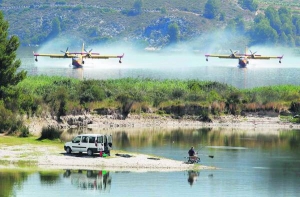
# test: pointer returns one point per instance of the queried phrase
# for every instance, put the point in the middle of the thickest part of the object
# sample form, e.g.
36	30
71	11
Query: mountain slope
111	20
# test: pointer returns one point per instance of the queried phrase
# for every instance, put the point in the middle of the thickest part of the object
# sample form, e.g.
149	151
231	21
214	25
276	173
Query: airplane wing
66	55
260	57
95	56
236	56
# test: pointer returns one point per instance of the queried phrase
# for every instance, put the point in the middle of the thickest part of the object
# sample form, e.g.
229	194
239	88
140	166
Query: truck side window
76	139
91	139
100	139
84	139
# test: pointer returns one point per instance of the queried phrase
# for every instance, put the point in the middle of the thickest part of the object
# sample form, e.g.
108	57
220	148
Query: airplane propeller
66	52
88	53
233	53
253	54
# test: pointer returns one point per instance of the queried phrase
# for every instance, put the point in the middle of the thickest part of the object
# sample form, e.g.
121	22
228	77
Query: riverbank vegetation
33	140
53	97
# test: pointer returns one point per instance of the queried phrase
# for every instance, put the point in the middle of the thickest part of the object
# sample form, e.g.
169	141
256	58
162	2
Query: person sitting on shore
193	158
192	153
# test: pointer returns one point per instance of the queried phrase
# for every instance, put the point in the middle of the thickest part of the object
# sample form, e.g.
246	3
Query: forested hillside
155	23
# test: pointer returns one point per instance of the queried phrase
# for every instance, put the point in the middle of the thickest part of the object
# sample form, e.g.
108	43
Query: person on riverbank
192	152
193	156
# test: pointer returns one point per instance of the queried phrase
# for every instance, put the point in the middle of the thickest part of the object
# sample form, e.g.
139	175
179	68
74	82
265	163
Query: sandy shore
48	157
250	121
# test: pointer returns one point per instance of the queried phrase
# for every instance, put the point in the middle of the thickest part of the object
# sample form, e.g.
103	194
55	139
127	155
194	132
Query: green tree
8	63
288	29
251	5
262	32
56	29
173	32
297	41
231	27
259	18
163	10
137	6
283	39
284	11
222	16
274	18
291	41
211	9
240	24
297	27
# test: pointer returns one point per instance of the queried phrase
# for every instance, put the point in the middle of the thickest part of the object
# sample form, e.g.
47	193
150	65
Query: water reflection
192	176
227	137
49	177
89	179
10	179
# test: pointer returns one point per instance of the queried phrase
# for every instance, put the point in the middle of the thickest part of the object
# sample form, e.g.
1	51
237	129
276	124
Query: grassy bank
65	95
45	96
33	140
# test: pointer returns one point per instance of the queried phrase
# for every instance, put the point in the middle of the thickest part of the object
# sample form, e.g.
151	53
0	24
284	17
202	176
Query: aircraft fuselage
77	61
243	61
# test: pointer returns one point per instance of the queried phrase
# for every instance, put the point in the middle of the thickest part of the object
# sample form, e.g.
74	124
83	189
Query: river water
168	65
250	162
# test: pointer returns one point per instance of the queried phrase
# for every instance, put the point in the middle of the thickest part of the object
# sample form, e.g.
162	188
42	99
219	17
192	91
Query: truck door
84	144
107	144
76	144
109	141
100	143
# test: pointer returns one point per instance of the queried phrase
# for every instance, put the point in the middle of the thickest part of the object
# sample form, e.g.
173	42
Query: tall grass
64	96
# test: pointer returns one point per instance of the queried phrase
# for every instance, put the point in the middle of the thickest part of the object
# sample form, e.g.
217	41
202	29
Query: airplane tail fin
82	49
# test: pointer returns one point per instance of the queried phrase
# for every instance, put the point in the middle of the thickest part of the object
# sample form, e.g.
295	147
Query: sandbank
49	157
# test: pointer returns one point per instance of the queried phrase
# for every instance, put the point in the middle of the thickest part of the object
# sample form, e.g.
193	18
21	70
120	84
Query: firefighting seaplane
243	59
78	57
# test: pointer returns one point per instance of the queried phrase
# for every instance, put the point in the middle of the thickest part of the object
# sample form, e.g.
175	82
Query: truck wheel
90	152
69	150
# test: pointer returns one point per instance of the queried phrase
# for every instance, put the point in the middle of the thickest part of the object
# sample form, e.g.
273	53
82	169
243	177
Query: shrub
24	131
178	93
8	120
50	133
295	107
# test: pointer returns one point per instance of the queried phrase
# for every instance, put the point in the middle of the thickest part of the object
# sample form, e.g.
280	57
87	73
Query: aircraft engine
88	54
66	52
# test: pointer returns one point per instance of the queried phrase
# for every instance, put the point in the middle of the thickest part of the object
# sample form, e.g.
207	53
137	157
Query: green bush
7	119
24	131
50	133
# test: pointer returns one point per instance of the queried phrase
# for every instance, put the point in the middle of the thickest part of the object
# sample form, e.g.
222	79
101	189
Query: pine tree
9	76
